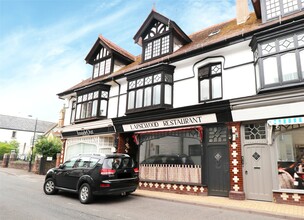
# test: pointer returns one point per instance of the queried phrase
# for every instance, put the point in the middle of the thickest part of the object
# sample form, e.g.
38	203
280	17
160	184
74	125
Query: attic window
214	32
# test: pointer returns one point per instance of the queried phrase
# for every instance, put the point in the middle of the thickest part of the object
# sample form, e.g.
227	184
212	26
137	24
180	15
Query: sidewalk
268	208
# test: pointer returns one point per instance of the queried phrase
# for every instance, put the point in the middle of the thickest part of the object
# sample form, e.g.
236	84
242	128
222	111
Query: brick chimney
61	117
242	11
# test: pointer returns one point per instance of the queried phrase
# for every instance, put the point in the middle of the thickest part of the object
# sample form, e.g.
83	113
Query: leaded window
102	63
280	61
275	8
217	134
156	42
210	82
149	92
93	104
255	131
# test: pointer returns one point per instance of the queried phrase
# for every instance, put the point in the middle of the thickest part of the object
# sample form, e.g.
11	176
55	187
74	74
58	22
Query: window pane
157	78
103	108
289	67
94	108
270	70
89	110
84	97
104	94
165	44
168	78
83	110
156	48
301	38
139	98
79	99
148	80
108	66
156	94
168	94
102	68
140	82
302	62
216	69
148	51
268	48
286	43
257	75
95	95
148	95
217	87
131	100
204	87
132	84
96	70
78	111
90	96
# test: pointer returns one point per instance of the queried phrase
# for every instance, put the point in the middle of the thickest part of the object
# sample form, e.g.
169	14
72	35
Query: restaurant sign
173	122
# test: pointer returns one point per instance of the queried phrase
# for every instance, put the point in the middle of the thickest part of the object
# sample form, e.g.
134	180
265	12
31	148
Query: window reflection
271	71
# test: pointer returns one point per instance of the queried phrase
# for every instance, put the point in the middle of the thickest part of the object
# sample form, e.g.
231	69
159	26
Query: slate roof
201	43
24	124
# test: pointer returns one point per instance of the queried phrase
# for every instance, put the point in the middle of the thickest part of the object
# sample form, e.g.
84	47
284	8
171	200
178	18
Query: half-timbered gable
159	36
106	57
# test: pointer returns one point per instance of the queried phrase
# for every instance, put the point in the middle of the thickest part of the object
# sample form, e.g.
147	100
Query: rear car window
118	163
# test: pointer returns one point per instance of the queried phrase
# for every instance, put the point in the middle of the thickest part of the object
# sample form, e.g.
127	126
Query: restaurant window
210	82
279	62
174	155
290	159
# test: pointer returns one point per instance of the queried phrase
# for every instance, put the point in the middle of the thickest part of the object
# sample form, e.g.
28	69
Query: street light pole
32	148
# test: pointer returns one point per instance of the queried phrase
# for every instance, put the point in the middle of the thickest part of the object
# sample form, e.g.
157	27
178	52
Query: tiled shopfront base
173	188
292	198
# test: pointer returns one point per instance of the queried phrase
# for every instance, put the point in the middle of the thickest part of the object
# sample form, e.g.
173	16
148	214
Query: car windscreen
118	163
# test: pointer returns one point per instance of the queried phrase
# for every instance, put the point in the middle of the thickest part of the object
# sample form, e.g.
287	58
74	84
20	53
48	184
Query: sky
43	43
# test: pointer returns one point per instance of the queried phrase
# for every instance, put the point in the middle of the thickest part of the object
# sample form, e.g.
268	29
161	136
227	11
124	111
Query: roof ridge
115	47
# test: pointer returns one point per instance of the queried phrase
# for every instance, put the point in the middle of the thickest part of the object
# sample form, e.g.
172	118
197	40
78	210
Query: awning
142	136
282	121
286	121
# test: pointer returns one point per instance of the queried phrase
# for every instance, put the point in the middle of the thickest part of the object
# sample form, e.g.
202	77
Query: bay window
150	90
279	62
92	103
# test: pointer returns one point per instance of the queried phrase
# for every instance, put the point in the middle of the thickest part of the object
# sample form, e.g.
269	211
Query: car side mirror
61	166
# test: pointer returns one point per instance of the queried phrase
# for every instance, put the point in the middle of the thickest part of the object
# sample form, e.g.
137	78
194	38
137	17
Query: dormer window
106	57
274	8
157	41
103	63
159	36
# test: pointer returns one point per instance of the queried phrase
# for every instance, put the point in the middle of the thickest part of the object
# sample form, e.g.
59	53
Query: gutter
118	101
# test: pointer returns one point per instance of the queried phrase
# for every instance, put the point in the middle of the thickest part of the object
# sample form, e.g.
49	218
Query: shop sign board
172	122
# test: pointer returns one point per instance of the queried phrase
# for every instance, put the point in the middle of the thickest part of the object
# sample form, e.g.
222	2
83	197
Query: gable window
280	61
92	104
150	91
14	133
275	8
102	63
210	82
157	41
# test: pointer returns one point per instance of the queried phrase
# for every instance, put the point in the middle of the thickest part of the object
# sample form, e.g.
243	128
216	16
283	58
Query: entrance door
218	170
257	168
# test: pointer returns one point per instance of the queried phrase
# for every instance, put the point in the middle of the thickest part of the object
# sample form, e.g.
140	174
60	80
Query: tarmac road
22	197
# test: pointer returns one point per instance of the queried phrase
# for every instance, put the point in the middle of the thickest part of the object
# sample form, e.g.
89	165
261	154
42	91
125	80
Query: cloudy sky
43	43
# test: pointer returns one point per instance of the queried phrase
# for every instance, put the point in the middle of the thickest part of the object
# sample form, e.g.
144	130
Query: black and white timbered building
219	112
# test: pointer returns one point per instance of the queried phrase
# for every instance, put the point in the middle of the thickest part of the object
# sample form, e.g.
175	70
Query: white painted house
227	99
22	130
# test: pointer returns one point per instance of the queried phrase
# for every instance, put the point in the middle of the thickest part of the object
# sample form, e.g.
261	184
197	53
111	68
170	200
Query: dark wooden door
218	172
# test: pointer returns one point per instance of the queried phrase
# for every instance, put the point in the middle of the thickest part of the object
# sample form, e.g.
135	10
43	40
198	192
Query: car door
63	173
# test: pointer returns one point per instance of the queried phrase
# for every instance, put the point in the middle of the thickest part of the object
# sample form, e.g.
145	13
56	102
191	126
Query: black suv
94	174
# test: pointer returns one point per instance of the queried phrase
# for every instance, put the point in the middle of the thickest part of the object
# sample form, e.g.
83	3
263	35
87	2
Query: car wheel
85	194
49	187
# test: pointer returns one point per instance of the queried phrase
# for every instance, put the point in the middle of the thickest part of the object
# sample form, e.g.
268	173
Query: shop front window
290	155
174	159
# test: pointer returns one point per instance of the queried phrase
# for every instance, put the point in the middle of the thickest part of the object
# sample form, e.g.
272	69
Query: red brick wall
236	170
289	198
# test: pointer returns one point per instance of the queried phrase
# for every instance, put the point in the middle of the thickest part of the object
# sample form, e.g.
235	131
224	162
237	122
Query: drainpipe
118	101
